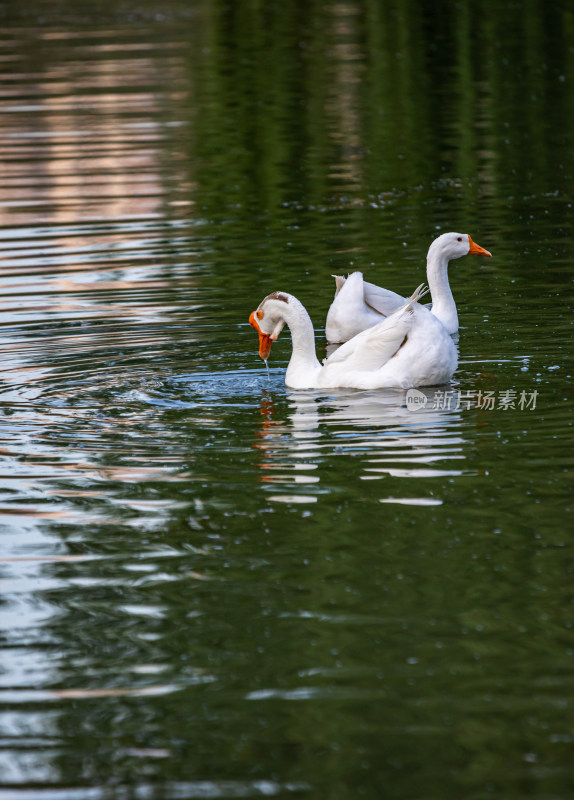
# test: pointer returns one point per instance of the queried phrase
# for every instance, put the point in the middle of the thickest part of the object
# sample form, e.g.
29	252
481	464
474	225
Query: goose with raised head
408	348
357	308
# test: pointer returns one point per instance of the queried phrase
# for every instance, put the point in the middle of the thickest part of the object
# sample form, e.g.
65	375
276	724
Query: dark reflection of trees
300	101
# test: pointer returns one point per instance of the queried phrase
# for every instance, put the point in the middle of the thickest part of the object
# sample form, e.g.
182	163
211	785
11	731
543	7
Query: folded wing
372	349
383	301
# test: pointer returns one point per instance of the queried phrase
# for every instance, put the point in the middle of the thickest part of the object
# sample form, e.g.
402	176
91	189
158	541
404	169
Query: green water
211	586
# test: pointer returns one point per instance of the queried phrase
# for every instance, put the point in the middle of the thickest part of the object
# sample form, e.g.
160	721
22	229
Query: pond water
212	586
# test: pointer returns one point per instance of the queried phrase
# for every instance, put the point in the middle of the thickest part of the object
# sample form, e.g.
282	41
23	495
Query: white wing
349	314
382	300
372	348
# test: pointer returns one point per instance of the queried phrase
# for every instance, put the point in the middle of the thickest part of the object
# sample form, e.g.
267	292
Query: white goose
353	310
408	348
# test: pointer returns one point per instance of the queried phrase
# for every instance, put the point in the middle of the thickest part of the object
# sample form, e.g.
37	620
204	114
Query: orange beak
476	249
265	341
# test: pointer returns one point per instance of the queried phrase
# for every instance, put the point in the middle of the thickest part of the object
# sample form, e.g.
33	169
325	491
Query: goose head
449	246
269	320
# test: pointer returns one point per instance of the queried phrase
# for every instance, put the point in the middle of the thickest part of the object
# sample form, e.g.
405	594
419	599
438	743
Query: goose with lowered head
408	348
352	311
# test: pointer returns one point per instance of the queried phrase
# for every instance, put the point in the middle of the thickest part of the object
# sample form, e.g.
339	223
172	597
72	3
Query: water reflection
375	432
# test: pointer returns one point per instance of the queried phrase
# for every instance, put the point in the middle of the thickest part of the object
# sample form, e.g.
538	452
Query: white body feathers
408	348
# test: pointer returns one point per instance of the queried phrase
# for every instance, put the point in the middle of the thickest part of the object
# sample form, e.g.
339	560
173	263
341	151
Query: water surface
213	586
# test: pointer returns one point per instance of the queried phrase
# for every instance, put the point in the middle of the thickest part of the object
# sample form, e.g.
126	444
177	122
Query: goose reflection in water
389	439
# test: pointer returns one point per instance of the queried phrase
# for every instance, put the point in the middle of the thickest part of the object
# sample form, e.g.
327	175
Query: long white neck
304	365
443	305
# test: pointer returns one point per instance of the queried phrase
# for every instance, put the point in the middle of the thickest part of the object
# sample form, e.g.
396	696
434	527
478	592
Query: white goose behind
357	307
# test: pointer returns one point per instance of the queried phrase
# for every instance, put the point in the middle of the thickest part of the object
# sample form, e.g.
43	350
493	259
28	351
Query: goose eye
259	315
459	239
